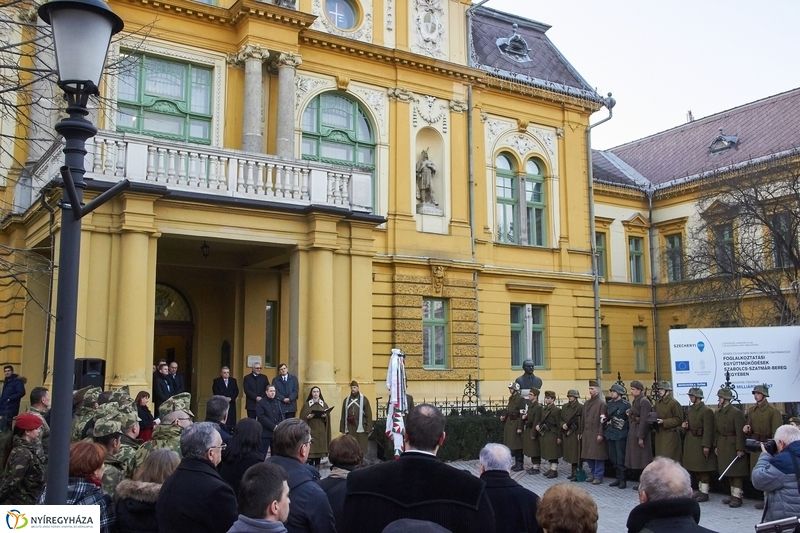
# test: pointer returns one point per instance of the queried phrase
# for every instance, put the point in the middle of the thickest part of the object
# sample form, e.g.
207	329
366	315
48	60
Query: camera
754	446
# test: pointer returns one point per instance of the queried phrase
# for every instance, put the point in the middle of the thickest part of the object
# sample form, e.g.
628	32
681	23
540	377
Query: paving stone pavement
615	504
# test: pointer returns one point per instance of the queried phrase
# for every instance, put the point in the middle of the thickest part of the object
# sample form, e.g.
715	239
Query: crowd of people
162	471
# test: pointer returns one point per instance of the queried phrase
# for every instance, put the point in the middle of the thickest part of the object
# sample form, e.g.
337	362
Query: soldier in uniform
638	446
85	412
593	449
761	422
356	418
107	433
528	380
669	417
128	442
729	445
616	432
23	479
698	446
530	438
512	425
570	431
549	429
175	417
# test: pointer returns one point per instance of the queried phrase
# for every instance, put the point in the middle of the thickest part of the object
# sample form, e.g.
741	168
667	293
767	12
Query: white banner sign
753	356
52	517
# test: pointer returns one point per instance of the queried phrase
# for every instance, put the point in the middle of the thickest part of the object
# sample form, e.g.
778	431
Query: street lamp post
82	31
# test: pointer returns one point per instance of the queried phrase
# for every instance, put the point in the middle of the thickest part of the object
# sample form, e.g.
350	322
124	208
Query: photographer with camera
777	474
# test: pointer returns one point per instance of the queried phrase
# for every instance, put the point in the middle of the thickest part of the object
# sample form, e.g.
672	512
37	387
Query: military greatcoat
637	457
511	437
530	438
728	424
763	419
571	420
549	432
668	434
699	435
592	427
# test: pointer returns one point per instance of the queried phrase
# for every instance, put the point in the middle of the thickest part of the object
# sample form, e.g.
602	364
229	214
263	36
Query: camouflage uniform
166	436
45	435
127	454
85	413
23	478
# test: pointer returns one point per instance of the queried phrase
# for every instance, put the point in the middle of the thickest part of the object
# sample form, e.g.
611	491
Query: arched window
507	204
535	203
336	130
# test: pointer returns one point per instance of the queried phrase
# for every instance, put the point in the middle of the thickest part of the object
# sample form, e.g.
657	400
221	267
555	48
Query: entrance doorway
174	331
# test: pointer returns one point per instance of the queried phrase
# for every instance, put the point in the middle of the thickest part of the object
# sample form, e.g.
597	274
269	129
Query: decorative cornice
399	93
226	16
530	287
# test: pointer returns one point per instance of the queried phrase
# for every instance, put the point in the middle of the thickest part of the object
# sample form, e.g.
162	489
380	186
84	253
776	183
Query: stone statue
529	380
426	171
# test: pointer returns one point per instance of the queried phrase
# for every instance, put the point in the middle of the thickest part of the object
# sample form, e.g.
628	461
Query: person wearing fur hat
729	445
512	425
761	422
550	435
616	432
135	499
23	478
571	413
698	445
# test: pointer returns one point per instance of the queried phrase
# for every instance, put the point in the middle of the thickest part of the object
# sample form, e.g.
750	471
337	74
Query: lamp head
82	31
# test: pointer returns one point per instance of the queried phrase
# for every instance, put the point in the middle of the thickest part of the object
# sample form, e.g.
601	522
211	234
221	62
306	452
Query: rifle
572	422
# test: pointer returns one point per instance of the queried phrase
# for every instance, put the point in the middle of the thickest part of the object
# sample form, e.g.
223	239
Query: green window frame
725	252
165	98
600	249
636	254
435	325
605	348
527	329
674	257
507	204
784	240
337	130
272	333
535	203
640	357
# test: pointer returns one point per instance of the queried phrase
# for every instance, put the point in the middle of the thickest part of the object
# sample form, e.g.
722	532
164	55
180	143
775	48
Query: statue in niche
426	172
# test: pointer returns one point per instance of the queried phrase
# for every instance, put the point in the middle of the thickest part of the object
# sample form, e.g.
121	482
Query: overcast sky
662	59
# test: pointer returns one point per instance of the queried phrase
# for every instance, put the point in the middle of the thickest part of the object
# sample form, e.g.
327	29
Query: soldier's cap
179	402
121	396
636	384
593	383
725	393
696	392
513	385
535	391
105	410
619	389
91	396
574	393
665	385
550	394
107	426
28	421
763	389
354	383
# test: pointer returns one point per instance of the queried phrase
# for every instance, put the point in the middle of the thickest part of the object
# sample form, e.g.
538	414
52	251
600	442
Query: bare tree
743	261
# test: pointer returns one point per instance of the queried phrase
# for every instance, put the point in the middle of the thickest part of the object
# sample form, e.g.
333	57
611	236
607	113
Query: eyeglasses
221	447
309	441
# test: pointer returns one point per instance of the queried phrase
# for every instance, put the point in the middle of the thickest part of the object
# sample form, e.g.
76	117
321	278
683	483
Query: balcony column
287	66
253	58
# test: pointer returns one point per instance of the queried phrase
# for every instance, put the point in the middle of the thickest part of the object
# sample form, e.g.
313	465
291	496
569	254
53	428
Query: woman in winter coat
315	412
243	452
777	475
23	478
345	455
136	498
147	422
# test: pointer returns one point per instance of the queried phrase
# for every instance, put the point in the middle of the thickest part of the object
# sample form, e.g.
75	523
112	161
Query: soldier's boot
574	474
622	483
736	497
518	462
534	469
553	472
701	495
614	483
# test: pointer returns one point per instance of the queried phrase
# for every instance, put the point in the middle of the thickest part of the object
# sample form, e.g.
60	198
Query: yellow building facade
317	182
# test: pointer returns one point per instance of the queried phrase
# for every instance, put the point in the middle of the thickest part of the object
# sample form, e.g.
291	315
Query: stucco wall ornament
437	278
376	101
431	111
305	85
389	15
363	33
404	95
547	138
522	144
429	28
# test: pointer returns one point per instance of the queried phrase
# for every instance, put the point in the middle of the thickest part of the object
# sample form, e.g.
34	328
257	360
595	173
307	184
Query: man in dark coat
570	431
178	384
593	446
195	497
162	386
666	506
287	389
616	432
255	386
549	429
698	445
269	414
417	485
514	505
310	510
226	386
639	448
513	425
13	391
729	445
